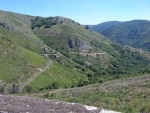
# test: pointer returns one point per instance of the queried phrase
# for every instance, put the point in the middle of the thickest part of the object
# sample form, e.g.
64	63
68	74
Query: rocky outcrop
84	47
6	25
71	43
47	50
81	44
10	104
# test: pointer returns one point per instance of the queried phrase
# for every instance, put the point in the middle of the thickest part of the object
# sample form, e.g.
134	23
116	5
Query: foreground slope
135	33
130	95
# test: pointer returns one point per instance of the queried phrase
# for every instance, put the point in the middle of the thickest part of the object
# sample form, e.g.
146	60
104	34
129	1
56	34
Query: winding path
35	75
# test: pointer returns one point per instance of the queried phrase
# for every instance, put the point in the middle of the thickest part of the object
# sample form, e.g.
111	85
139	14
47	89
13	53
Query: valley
58	58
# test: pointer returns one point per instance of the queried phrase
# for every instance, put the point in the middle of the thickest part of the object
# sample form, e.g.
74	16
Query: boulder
46	50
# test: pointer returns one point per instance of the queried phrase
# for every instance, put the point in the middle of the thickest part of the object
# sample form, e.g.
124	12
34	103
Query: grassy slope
63	75
116	60
57	37
64	32
17	62
130	95
21	34
21	63
19	48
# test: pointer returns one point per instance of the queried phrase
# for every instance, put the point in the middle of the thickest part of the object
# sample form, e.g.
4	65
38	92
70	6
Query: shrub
80	84
13	89
1	89
72	86
100	81
89	75
83	69
28	89
50	86
86	82
55	85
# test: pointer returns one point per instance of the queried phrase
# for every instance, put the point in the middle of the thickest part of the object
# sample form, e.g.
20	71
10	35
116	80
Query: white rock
91	108
108	111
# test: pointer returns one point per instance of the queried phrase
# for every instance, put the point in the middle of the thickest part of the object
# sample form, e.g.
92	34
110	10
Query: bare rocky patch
20	104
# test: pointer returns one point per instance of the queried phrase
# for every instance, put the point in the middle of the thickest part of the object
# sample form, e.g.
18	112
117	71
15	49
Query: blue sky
82	11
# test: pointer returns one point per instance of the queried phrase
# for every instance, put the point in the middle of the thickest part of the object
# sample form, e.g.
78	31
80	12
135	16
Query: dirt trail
90	54
35	75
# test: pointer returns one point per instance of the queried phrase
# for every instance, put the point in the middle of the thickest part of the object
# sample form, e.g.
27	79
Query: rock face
71	43
84	47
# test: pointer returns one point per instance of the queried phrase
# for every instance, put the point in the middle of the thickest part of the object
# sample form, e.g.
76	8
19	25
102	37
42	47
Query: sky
87	12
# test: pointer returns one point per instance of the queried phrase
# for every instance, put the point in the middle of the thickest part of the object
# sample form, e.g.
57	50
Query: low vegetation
58	76
129	95
17	63
39	21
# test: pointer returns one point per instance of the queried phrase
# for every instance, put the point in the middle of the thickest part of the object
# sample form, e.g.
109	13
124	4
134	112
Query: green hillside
78	55
21	51
64	76
107	60
103	26
20	48
16	63
17	28
130	95
134	33
77	42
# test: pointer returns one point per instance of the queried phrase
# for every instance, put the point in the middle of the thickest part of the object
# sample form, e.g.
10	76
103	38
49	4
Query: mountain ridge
134	33
102	26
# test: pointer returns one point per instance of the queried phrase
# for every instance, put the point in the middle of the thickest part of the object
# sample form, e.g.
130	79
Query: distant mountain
134	33
102	26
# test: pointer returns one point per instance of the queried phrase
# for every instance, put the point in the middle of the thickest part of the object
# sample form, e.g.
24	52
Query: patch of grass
17	63
61	74
130	95
21	39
